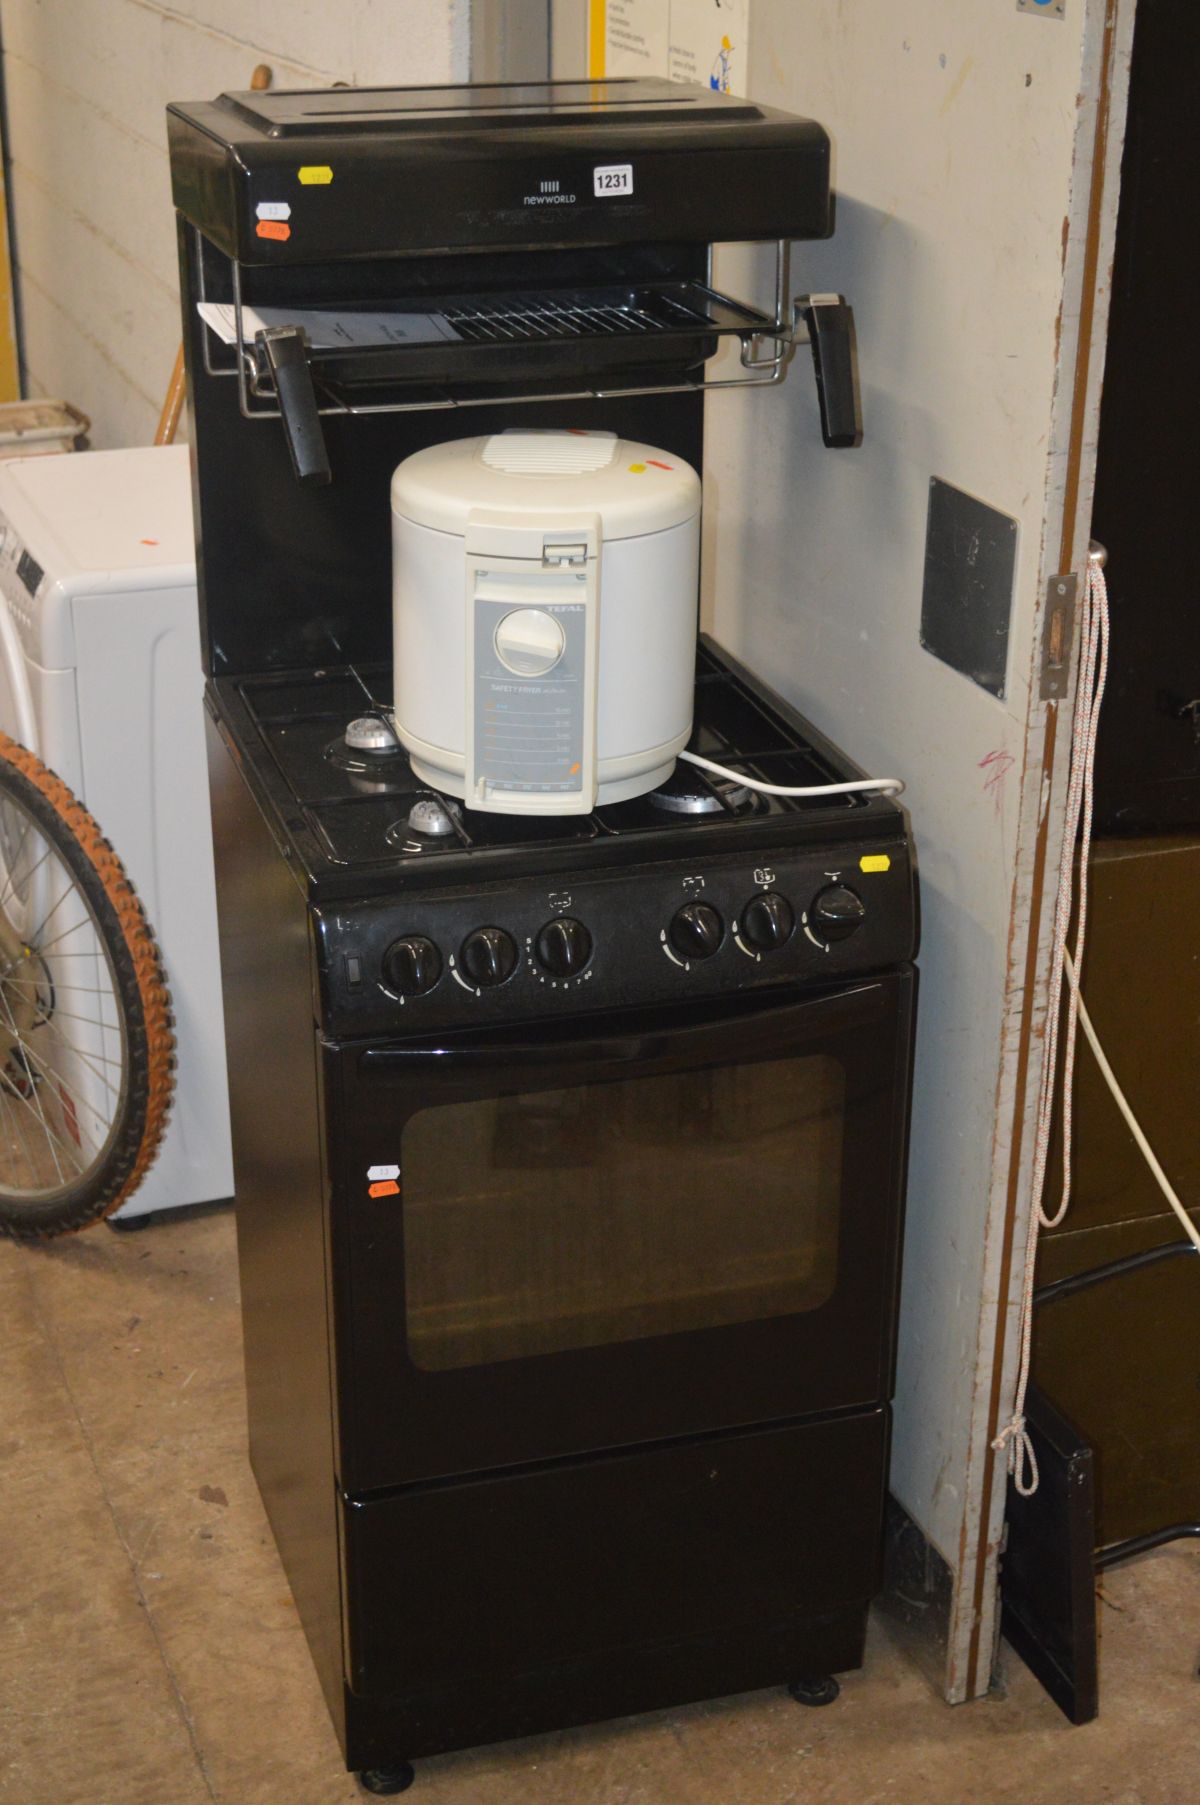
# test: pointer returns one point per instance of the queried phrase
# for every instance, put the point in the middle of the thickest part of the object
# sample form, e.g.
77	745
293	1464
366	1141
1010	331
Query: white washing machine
100	676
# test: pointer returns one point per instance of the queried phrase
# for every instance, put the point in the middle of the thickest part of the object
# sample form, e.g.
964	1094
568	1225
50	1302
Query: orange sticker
386	1187
574	771
149	542
273	228
659	465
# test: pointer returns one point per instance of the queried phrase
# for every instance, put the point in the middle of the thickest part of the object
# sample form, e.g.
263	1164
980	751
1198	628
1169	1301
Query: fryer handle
286	351
829	322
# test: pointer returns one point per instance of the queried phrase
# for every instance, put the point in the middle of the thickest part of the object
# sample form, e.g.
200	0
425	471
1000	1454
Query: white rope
1089	693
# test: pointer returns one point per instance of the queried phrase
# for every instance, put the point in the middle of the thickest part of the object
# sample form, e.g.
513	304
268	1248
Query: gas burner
370	755
432	817
686	793
431	824
370	733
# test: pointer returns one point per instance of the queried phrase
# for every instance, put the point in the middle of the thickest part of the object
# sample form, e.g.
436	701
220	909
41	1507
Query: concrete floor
150	1653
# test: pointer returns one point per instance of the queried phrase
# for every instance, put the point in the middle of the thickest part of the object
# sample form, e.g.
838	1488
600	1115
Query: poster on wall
689	40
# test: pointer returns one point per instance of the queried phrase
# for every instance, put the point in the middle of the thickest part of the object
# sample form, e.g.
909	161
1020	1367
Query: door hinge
1058	633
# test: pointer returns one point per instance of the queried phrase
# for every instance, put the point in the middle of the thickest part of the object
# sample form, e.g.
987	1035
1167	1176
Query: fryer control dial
529	642
696	931
767	922
412	965
488	956
563	946
836	913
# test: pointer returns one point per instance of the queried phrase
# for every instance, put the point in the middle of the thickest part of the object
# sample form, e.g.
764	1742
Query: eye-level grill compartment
573	335
400	350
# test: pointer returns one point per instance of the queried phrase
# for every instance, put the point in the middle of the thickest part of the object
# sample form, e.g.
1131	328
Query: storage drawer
524	1569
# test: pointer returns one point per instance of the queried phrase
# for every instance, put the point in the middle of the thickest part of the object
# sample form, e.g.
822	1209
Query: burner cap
371	733
431	816
686	793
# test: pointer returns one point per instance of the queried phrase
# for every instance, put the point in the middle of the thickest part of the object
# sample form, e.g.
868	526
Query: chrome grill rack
594	343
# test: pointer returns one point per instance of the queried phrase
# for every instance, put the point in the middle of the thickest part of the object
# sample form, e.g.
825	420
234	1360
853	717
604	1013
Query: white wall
964	138
87	83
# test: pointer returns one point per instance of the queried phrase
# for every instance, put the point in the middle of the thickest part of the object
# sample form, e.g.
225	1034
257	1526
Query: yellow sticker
875	861
316	174
638	469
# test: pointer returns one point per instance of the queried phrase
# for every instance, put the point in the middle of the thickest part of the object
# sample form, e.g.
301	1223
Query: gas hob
429	915
359	820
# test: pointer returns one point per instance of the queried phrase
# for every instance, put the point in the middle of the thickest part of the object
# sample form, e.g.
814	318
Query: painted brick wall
87	82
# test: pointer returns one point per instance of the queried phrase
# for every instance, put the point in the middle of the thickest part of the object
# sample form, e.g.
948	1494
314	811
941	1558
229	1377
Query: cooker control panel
516	952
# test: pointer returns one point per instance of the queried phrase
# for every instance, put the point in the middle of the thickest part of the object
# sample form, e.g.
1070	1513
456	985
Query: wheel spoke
13	865
16	1121
51	1137
35	938
84	1058
53	1076
43	946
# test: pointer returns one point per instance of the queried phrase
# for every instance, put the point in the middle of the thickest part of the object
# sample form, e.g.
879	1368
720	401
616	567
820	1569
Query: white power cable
1135	1127
1089	693
891	786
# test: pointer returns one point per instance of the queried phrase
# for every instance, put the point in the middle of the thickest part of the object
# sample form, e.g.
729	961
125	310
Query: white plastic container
544	616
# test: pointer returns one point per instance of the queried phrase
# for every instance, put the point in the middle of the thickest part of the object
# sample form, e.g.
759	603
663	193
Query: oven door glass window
611	1212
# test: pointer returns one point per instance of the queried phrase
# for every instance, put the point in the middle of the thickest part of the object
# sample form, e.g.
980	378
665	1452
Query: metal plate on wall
966	603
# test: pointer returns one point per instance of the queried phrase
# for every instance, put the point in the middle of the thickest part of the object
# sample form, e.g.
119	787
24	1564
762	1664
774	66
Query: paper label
612	178
273	210
705	41
325	329
709	44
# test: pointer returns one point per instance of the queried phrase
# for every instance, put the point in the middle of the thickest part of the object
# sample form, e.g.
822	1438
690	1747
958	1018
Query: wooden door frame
1089	234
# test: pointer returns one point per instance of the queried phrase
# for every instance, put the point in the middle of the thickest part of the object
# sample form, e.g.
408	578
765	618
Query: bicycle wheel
87	1061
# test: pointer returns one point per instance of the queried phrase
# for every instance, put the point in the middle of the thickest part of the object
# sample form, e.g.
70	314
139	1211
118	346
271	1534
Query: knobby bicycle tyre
141	996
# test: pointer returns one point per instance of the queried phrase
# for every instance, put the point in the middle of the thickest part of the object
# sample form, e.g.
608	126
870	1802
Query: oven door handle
725	1037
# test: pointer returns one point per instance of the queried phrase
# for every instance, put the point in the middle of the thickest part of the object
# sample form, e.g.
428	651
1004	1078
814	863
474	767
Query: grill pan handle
828	322
285	349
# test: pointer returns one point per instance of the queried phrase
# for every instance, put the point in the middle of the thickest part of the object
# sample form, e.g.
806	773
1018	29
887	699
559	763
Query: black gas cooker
432	915
569	1152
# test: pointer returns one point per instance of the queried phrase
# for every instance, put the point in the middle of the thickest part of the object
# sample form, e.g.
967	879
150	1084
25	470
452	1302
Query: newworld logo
549	194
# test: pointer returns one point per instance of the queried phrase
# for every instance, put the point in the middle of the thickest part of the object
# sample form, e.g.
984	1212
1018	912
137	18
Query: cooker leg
387	1779
821	1691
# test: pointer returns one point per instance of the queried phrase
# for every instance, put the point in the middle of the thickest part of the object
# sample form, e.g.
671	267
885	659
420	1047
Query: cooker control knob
696	931
767	922
488	956
564	946
836	913
529	642
412	965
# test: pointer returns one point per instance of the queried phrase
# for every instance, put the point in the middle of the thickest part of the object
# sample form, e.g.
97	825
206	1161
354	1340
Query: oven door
615	1231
